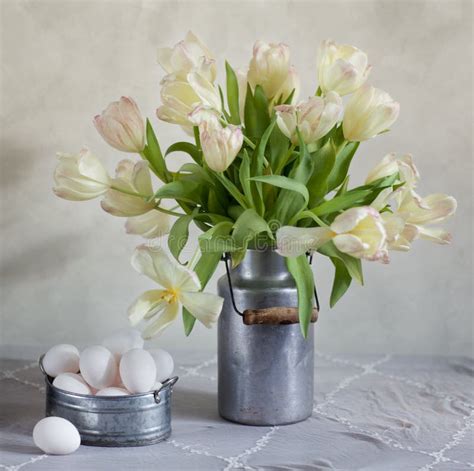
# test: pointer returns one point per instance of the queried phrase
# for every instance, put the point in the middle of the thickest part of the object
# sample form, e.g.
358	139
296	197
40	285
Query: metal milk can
265	371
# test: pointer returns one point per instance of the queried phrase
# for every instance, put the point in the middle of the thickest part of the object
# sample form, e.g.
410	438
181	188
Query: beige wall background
65	273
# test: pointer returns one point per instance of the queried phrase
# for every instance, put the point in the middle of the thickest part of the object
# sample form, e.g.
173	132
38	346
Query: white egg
157	386
61	358
112	391
123	340
138	370
98	367
164	363
56	436
72	382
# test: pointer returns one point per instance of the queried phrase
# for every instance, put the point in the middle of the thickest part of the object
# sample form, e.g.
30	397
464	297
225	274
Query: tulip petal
205	90
155	263
149	225
294	241
349	219
350	244
205	307
435	234
146	305
435	208
166	318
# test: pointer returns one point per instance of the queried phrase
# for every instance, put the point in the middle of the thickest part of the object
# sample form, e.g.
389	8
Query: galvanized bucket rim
167	384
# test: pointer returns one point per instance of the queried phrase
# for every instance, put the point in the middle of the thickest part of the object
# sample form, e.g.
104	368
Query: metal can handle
225	259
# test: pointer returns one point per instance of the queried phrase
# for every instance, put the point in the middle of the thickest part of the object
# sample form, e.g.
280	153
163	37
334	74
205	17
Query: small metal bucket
265	372
135	420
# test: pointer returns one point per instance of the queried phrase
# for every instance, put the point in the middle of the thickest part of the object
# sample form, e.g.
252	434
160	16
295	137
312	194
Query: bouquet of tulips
265	170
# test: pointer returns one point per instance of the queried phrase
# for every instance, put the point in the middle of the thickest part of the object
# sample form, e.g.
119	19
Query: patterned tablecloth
370	413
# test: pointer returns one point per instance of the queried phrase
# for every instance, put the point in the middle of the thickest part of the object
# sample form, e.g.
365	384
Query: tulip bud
121	125
314	118
80	177
341	68
185	56
269	67
220	145
369	112
131	178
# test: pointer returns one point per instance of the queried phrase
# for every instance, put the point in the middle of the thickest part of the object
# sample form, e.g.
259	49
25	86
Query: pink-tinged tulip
130	178
80	177
179	286
341	68
121	125
369	112
220	145
358	232
314	118
269	67
149	225
185	56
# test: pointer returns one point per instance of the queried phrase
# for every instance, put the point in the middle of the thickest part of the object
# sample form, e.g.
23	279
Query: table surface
371	413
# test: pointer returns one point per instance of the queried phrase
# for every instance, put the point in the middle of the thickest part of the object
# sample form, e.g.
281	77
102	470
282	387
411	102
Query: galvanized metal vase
265	372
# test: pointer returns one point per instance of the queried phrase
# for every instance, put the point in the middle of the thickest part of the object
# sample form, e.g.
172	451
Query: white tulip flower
180	286
122	126
181	96
369	112
314	118
341	68
80	177
130	178
185	56
269	67
149	225
220	145
358	232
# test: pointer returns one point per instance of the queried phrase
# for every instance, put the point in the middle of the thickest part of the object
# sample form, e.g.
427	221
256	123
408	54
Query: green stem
169	211
249	142
131	193
319	92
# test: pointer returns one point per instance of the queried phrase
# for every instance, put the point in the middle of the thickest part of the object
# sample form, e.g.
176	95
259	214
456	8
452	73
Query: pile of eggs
118	367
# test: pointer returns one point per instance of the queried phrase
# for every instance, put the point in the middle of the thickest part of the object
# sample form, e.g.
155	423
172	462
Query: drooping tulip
122	126
369	112
185	56
341	68
130	178
357	231
180	286
314	118
80	177
421	213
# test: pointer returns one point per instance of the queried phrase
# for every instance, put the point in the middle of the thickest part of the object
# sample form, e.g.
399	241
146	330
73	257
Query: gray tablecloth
370	413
